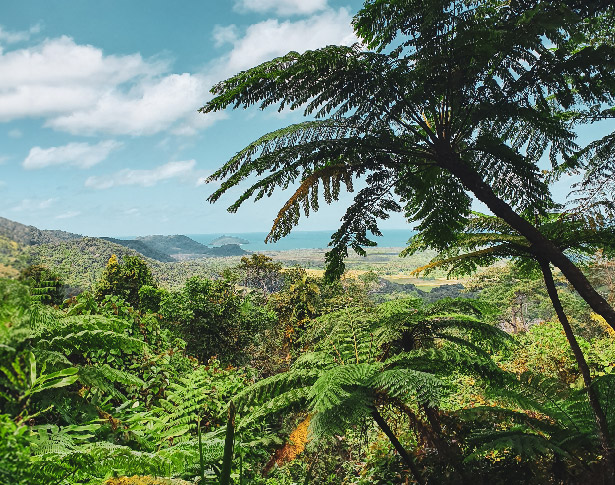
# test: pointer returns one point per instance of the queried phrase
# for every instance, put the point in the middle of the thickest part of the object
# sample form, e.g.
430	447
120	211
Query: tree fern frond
338	384
515	441
273	386
410	385
289	400
93	339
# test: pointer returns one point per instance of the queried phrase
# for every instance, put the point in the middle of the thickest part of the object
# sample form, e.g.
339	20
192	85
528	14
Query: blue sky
99	128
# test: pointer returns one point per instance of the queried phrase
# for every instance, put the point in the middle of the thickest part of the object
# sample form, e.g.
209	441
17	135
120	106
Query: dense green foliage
255	372
98	388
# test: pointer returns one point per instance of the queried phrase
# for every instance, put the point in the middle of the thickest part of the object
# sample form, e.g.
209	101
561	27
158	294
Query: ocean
303	239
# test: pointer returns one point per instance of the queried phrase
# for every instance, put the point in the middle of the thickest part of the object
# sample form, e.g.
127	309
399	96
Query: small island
224	240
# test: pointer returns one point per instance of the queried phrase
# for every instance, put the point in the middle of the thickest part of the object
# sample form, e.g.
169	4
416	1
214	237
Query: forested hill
182	247
160	248
79	262
30	235
139	246
174	245
10	257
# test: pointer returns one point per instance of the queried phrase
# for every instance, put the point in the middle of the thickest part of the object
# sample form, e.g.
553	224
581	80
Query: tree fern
400	353
549	418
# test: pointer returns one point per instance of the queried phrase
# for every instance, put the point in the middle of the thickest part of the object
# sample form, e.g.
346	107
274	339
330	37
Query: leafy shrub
124	279
14	453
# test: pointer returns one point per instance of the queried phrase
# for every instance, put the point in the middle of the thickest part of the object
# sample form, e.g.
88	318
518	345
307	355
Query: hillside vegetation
285	378
30	235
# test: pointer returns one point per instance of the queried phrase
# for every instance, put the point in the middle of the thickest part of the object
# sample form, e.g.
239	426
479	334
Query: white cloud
81	155
281	7
147	109
3	158
31	205
225	34
145	178
79	89
272	38
68	215
20	36
15	133
132	212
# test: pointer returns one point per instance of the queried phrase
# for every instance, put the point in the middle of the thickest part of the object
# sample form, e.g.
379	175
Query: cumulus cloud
80	155
281	7
147	109
144	178
272	38
31	205
79	89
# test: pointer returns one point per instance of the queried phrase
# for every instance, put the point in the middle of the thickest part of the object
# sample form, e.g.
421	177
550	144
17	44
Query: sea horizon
302	239
391	238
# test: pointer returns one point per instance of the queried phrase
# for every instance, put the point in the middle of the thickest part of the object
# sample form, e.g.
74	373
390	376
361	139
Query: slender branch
405	456
542	246
594	399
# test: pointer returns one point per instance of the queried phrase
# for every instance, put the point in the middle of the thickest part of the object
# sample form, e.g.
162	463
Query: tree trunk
594	401
433	434
398	447
542	246
449	452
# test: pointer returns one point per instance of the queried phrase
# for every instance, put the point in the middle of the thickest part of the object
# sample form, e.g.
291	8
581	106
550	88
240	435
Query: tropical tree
124	279
488	239
455	98
214	319
260	271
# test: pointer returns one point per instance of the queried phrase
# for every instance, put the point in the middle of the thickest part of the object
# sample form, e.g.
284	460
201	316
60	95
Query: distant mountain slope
183	247
143	248
11	258
81	260
174	244
30	235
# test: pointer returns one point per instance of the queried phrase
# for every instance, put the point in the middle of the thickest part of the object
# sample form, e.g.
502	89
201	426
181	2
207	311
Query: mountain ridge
166	249
32	236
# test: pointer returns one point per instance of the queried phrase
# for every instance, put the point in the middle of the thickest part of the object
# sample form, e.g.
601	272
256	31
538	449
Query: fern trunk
434	434
542	246
594	400
451	454
229	445
405	456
